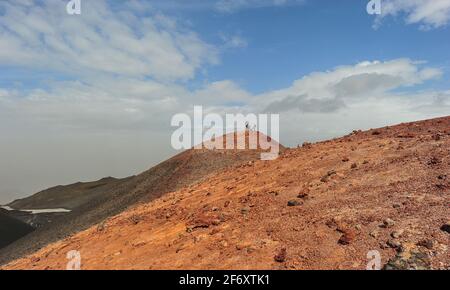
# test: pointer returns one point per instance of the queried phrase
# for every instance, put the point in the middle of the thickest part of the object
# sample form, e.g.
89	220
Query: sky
92	95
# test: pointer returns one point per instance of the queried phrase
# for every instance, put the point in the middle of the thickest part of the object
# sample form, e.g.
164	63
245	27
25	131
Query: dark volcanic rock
11	229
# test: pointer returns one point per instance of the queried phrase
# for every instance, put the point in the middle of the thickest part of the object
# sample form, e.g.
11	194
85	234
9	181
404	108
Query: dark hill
68	196
11	229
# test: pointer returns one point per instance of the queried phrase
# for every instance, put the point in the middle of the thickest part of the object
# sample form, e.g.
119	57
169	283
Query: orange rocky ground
321	206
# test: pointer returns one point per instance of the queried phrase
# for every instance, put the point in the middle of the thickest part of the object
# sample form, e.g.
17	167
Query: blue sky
285	43
92	95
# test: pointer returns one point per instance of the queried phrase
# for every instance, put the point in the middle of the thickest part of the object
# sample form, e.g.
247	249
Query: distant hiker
248	127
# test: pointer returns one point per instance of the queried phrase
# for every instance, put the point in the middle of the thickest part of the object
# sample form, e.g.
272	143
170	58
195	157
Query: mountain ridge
181	170
321	206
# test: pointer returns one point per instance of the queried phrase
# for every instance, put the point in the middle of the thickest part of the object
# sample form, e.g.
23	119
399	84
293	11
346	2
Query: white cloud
234	41
332	90
101	40
427	13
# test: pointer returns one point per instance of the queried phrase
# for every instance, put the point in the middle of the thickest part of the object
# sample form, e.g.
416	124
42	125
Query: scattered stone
388	223
138	244
216	222
250	250
202	221
281	256
383	245
214	231
135	219
429	244
397	234
303	195
437	137
397	205
329	174
354	166
394	244
347	238
245	210
227	203
222	217
405	136
365	162
242	246
434	161
101	227
376	133
331	223
409	260
446	227
294	203
274	192
215	208
374	234
345	159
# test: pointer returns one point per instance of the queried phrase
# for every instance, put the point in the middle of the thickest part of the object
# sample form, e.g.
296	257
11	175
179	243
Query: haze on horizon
92	95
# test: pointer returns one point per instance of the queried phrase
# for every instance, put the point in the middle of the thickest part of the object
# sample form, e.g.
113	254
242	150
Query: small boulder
374	234
281	256
388	223
446	227
303	195
397	234
394	244
329	174
429	244
347	237
245	210
215	222
294	203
